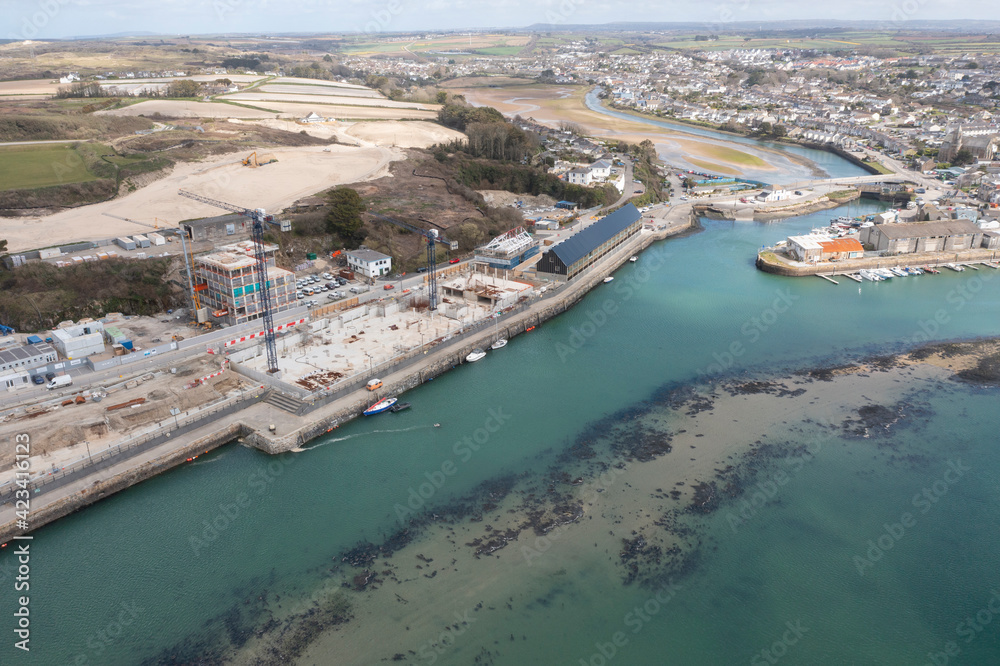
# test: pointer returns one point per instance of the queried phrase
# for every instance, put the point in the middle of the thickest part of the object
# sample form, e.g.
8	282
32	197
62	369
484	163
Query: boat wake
334	440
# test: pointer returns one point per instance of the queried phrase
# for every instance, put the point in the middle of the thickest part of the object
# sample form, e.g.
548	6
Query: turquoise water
833	165
139	574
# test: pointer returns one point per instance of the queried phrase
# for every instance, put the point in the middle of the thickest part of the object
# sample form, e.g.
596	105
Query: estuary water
654	477
780	156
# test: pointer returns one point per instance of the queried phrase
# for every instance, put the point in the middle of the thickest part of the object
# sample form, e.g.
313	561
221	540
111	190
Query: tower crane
258	218
433	236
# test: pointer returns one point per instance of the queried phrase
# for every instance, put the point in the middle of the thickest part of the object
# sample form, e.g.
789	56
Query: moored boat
633	259
608	279
380	406
499	344
958	268
932	271
899	272
399	406
475	355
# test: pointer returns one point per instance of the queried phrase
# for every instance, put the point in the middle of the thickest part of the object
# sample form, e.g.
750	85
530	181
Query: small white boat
885	273
633	259
958	268
899	271
608	279
499	344
475	355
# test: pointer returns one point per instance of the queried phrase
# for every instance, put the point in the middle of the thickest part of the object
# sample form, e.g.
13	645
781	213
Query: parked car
331	285
50	376
38	379
454	260
388	287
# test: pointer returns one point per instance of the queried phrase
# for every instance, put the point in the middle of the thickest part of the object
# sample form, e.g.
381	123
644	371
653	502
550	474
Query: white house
600	169
773	194
313	117
579	176
369	262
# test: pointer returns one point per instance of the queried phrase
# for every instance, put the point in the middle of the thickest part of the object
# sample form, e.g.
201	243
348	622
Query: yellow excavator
252	161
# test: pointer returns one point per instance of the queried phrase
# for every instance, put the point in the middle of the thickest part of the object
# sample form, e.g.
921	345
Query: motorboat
499	344
476	355
380	406
885	273
958	268
896	270
633	259
869	275
932	271
608	279
399	406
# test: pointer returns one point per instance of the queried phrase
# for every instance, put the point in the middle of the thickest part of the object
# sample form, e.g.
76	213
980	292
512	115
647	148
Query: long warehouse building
568	258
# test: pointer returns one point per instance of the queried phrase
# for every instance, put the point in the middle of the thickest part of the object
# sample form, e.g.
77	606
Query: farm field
310	89
26	167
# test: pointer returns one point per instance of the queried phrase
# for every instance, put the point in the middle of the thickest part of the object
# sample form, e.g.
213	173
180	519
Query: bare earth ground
60	434
324	99
411	134
266	109
299	172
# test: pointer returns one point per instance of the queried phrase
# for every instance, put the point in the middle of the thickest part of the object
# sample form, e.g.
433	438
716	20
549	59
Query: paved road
32	143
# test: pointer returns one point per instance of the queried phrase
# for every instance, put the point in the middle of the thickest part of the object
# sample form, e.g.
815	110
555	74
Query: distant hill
958	25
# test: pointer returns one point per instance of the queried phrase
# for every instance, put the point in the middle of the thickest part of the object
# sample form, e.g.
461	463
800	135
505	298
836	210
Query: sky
41	19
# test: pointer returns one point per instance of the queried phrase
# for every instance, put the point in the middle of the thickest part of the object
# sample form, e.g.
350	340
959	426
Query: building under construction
507	250
231	285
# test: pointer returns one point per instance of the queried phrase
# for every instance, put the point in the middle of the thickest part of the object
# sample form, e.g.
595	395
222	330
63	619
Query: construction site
343	345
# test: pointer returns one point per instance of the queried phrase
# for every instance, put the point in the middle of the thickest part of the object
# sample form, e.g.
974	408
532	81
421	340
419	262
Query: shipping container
125	243
140	240
157	239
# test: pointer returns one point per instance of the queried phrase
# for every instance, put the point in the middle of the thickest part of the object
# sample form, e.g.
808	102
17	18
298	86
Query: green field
26	167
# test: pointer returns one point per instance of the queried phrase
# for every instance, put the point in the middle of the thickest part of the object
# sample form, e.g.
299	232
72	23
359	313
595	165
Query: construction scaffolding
507	250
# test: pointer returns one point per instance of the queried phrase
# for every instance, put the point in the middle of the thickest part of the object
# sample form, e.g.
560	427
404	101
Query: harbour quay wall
131	476
326	418
769	263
